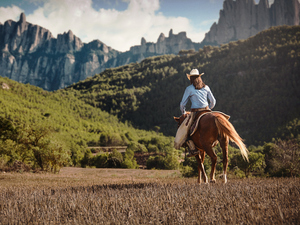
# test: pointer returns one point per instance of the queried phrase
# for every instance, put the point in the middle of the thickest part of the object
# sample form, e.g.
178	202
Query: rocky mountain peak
161	38
71	35
241	19
68	42
22	18
143	41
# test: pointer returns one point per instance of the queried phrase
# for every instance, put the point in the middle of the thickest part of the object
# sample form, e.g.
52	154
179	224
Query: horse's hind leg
213	157
201	170
224	141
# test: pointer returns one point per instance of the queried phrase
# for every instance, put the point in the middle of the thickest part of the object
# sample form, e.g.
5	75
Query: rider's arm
211	98
184	100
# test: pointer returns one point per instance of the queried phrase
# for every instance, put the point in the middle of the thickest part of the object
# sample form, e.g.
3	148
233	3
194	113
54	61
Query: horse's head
180	119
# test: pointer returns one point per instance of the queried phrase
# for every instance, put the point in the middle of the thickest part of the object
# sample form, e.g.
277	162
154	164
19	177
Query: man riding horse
202	101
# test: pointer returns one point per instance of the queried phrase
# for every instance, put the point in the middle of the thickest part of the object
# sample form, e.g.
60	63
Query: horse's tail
225	128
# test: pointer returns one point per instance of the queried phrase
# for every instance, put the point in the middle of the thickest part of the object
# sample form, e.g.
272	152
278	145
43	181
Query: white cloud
118	29
10	13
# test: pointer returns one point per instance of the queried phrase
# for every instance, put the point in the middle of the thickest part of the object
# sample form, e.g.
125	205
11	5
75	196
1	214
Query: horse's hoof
212	181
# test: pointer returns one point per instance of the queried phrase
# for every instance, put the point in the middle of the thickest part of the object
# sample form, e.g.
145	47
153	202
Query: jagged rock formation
241	19
164	45
30	54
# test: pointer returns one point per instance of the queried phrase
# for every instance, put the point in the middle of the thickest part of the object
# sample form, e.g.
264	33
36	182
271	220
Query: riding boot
192	148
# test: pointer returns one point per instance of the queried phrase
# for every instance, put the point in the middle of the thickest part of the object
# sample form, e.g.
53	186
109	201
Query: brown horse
214	127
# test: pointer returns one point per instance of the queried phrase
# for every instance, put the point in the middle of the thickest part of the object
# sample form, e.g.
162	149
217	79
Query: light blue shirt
199	98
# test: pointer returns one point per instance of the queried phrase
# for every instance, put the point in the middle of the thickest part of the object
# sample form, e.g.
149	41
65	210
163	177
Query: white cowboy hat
194	72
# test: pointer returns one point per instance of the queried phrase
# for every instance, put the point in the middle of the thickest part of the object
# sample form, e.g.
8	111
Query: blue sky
120	24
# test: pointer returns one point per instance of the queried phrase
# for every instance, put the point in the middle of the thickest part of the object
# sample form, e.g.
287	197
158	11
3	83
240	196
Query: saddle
199	115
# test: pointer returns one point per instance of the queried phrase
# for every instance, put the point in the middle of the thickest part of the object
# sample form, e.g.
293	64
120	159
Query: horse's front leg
201	170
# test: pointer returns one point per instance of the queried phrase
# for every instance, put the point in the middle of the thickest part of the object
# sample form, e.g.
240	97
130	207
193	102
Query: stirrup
192	149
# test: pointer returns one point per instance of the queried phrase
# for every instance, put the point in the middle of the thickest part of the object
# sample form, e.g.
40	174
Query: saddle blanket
196	122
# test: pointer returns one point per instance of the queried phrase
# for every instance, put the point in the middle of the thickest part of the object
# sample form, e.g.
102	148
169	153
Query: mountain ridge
30	54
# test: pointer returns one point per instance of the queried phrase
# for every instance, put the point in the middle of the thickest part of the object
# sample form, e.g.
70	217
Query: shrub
283	158
155	162
112	139
87	159
171	161
256	163
168	162
100	160
137	147
187	171
129	160
189	167
115	159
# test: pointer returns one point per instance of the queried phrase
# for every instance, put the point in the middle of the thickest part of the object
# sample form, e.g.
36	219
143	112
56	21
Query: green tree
256	163
100	160
283	158
87	159
115	159
7	129
129	160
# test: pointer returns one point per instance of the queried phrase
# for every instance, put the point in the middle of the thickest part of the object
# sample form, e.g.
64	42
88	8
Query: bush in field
167	162
129	160
77	153
187	171
256	164
155	162
171	161
283	158
189	167
100	160
32	146
88	159
115	159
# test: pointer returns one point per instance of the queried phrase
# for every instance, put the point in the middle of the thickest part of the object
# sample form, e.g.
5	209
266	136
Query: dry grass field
117	196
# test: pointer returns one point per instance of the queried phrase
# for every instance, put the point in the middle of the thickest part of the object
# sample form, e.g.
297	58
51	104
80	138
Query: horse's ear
176	119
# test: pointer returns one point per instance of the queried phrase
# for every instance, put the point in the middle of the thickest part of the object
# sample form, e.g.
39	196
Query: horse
213	127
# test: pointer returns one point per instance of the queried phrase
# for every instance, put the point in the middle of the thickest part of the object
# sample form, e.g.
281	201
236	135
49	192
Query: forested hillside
255	81
44	130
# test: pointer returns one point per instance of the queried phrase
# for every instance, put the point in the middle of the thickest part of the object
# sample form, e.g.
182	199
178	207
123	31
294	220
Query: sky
119	24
